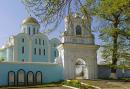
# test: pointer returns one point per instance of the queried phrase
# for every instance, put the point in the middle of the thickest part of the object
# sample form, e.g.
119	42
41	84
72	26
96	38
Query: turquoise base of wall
50	72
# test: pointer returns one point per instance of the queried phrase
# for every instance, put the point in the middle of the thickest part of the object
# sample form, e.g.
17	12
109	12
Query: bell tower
77	30
78	44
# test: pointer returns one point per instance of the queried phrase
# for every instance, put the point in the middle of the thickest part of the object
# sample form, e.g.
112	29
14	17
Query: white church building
34	58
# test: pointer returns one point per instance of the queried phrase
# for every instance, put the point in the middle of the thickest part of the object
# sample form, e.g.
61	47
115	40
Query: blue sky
12	13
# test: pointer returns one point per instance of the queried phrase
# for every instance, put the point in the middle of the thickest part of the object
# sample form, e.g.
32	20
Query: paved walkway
48	88
108	84
123	85
35	88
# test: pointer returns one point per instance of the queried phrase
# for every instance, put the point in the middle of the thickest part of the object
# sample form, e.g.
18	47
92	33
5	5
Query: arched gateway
77	52
81	70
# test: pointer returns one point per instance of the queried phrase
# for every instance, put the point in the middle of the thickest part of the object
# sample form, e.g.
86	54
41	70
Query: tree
115	14
2	59
115	31
52	12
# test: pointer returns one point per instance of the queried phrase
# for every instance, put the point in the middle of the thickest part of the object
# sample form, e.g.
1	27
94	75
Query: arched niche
11	78
38	77
30	78
21	77
78	30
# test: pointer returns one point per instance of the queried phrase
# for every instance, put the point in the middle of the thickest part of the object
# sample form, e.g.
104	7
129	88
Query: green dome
30	20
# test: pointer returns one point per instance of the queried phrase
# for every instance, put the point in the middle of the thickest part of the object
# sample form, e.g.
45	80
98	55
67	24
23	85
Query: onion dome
30	20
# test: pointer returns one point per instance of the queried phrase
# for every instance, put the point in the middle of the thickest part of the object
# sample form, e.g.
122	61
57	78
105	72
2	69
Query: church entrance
81	71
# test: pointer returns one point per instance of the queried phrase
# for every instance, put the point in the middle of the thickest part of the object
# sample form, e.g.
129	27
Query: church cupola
30	26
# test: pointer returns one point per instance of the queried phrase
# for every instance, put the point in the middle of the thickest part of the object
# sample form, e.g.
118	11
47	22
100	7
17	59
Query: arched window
39	41
24	30
55	53
39	51
33	30
29	30
37	30
54	45
44	52
35	51
23	40
35	41
43	42
22	60
78	30
23	50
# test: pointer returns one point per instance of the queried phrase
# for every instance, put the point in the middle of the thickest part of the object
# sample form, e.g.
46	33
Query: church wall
43	46
10	54
29	44
20	44
50	72
24	29
54	52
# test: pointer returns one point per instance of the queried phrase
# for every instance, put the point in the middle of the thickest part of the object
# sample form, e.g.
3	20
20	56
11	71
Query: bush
77	84
1	60
126	79
73	83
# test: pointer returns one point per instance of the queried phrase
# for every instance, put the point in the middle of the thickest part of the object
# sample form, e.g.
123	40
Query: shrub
126	79
77	84
73	83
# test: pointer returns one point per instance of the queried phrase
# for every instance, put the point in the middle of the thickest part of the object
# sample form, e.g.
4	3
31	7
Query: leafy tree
115	26
115	31
52	12
2	59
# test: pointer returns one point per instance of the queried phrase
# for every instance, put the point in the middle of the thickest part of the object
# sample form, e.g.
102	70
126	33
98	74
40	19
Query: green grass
125	79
